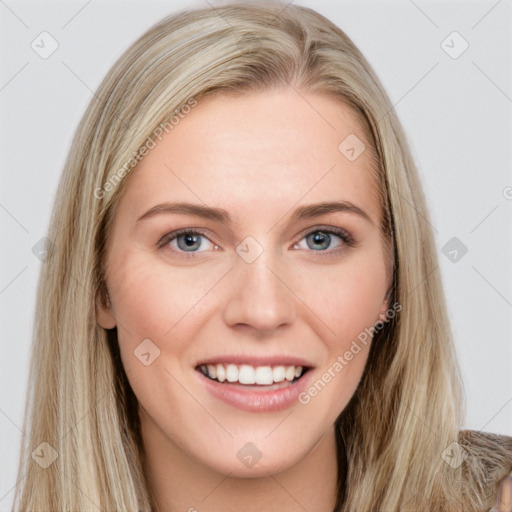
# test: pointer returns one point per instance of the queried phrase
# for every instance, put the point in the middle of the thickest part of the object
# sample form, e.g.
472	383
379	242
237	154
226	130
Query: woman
194	350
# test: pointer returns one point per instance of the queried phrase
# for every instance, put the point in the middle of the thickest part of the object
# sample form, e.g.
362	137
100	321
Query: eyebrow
219	214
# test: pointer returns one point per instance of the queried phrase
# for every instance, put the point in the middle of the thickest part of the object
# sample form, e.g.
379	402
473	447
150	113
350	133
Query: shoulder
487	460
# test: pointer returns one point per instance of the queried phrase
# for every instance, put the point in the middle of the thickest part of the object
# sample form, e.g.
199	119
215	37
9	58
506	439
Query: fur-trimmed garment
488	462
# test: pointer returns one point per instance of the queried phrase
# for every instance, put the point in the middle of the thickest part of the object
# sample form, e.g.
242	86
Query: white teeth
279	374
290	373
221	373
246	374
212	371
232	373
264	375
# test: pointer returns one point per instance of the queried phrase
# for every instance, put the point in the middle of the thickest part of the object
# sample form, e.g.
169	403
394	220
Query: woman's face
264	289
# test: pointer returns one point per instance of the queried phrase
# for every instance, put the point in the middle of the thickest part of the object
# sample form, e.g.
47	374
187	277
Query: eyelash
331	230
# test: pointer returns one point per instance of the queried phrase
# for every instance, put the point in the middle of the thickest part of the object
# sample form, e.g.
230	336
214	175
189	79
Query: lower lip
254	400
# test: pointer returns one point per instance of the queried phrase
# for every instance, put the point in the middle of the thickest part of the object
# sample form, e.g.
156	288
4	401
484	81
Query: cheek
168	306
150	299
346	298
161	304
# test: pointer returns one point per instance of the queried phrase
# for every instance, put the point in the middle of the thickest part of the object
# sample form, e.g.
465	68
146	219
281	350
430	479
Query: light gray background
456	113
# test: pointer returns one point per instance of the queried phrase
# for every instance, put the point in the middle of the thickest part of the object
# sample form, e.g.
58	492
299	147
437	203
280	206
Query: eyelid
173	235
342	233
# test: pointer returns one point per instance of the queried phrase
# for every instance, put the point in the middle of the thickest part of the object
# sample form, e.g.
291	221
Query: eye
189	241
186	240
320	239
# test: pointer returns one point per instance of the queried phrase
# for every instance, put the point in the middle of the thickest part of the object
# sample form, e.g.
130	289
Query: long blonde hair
408	407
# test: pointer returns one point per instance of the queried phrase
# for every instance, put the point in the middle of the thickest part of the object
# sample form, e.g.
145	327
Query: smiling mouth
256	376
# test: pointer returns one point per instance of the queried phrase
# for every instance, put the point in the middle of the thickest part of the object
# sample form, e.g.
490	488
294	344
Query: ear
384	307
104	315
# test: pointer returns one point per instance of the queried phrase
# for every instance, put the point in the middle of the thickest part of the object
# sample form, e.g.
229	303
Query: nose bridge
259	298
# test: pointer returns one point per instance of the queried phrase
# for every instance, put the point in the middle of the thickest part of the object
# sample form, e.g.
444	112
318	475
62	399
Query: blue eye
189	241
322	239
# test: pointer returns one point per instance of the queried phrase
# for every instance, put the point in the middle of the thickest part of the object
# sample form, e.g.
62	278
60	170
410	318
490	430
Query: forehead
258	153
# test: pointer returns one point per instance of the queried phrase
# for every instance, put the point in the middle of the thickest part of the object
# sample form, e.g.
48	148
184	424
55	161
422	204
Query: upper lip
271	360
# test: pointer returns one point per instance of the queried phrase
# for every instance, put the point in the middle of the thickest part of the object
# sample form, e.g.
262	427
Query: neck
180	482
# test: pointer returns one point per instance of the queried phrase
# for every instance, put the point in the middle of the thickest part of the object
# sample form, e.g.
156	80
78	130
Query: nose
260	297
